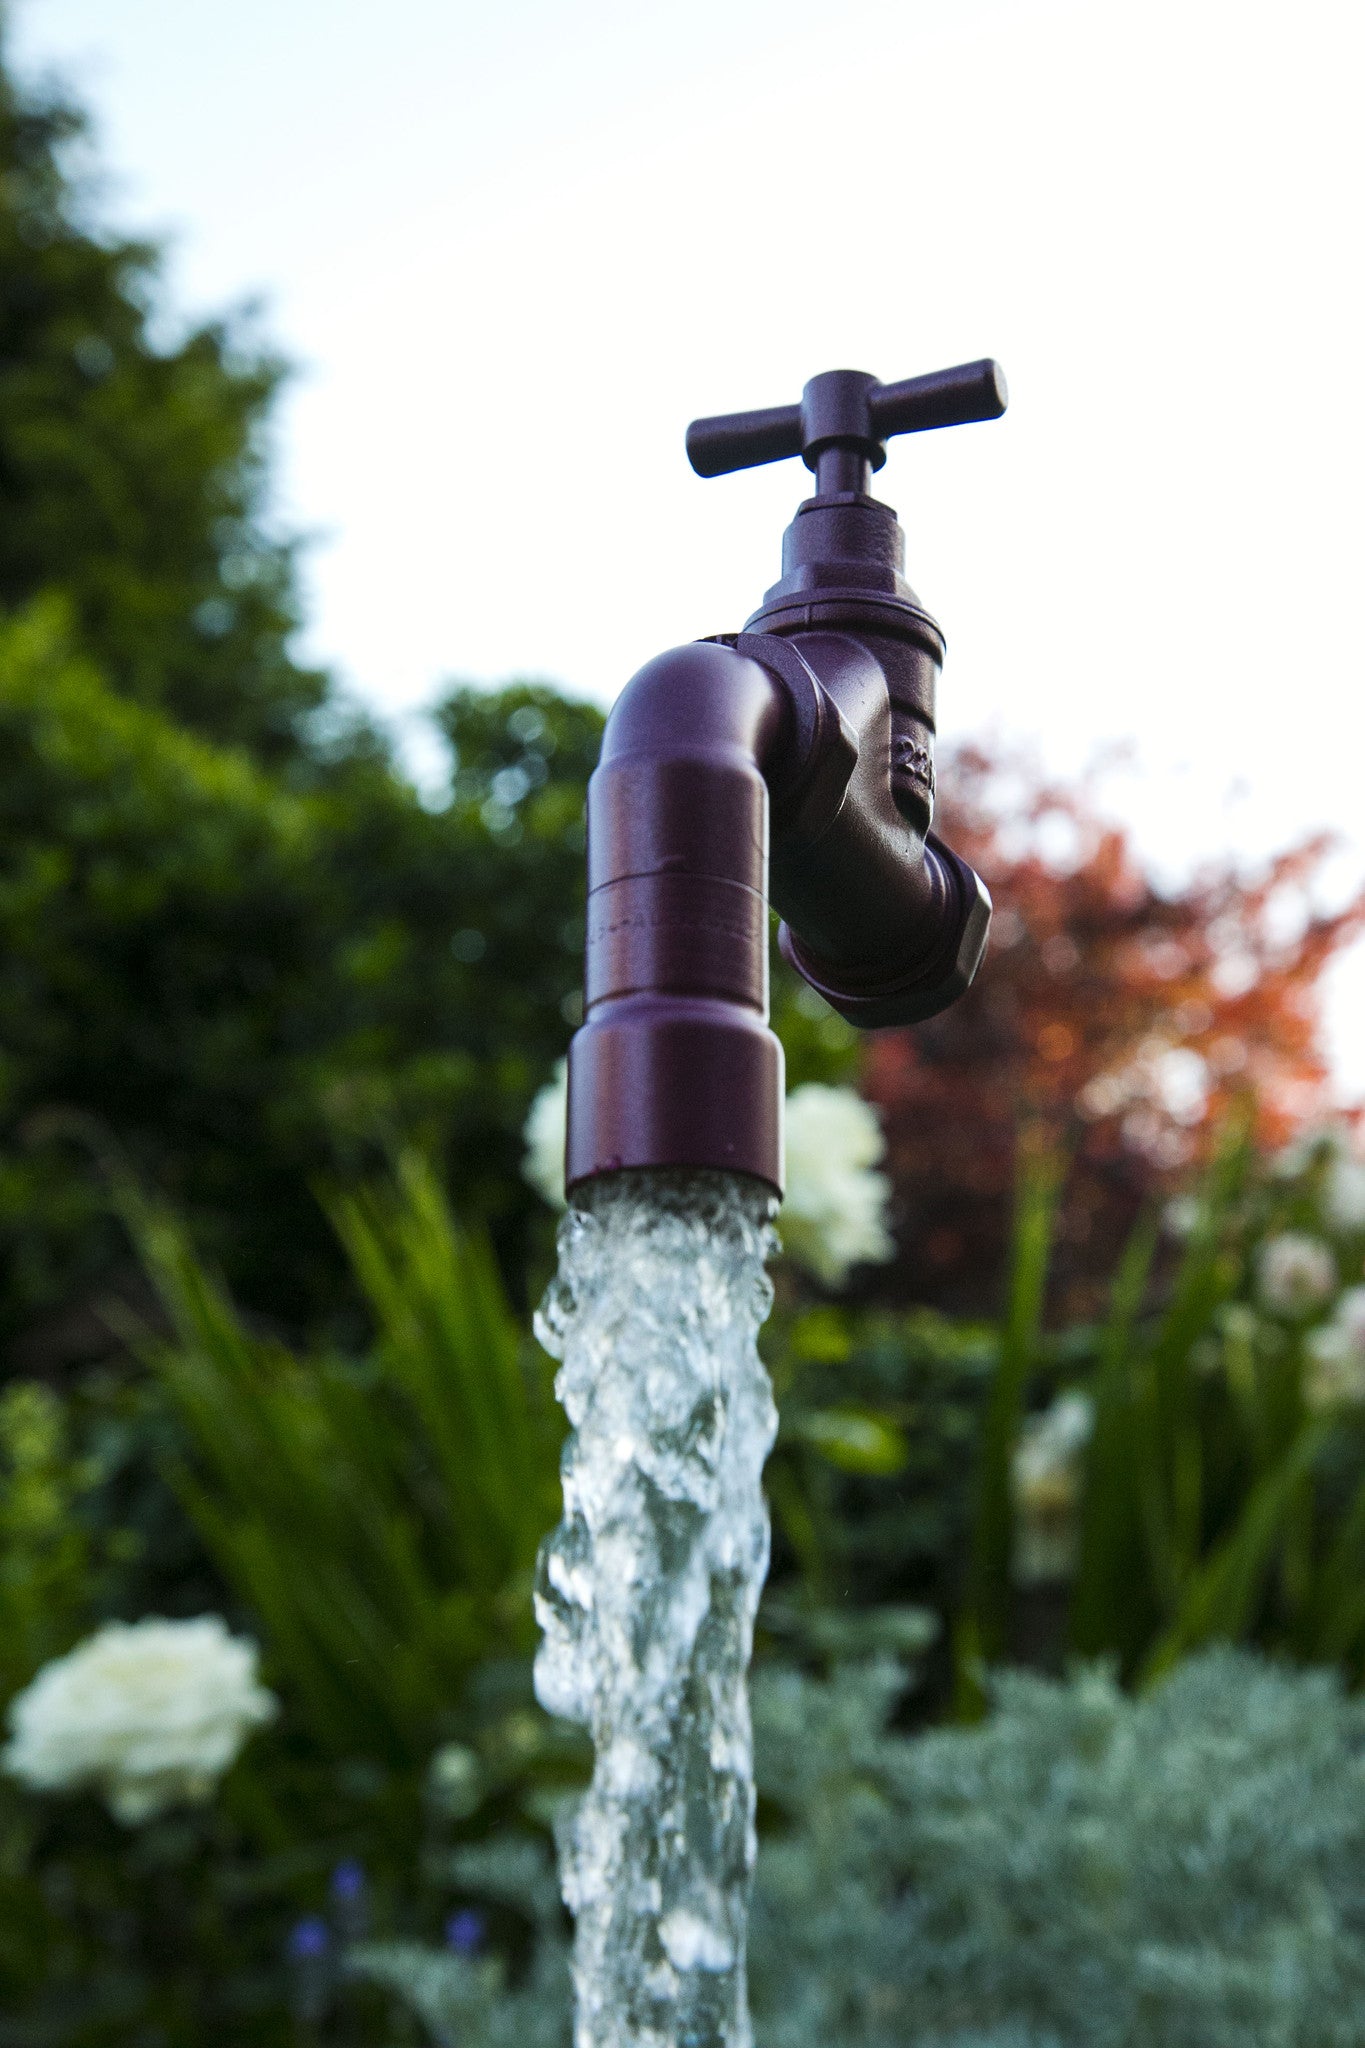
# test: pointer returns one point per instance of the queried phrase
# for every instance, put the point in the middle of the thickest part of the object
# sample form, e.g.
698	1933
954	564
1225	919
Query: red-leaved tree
1124	1022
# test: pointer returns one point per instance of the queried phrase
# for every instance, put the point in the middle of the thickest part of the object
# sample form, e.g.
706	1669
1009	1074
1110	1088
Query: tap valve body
792	762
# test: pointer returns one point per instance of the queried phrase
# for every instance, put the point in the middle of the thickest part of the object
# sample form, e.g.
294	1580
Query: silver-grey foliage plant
1084	1870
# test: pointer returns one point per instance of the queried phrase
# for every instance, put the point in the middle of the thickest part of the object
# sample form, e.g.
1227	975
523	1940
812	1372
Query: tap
791	763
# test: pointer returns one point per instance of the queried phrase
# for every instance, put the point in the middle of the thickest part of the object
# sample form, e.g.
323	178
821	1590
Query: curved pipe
675	1064
883	919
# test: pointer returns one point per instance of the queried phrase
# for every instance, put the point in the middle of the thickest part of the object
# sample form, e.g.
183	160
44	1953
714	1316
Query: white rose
149	1714
1045	1482
1343	1194
1336	1356
1182	1216
1295	1274
1316	1142
834	1211
545	1131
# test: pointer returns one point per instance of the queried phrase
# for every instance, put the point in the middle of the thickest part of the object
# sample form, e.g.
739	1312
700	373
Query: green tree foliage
131	470
236	949
154	906
237	985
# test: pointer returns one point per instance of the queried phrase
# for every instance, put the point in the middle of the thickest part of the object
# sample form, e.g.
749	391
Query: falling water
647	1594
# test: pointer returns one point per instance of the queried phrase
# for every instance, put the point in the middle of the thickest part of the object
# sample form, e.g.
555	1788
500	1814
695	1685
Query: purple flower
351	1900
465	1931
308	1938
348	1879
311	1968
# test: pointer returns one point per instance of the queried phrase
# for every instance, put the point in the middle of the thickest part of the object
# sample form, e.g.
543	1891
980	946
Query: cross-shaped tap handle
847	416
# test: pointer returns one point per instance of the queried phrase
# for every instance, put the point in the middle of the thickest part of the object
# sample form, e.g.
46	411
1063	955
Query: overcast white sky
514	249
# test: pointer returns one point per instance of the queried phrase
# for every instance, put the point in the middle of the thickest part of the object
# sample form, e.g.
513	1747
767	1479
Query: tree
235	947
242	988
132	473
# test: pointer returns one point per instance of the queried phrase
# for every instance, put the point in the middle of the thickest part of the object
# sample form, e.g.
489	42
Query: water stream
647	1594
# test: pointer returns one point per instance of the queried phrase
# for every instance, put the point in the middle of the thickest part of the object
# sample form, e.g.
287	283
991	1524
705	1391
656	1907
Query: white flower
1343	1193
1295	1274
1182	1216
1238	1323
1314	1142
834	1211
1046	1481
1329	1146
545	1130
150	1714
1336	1356
456	1778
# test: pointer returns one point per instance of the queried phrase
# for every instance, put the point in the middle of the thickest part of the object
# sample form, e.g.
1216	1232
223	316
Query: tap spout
725	766
883	919
674	1064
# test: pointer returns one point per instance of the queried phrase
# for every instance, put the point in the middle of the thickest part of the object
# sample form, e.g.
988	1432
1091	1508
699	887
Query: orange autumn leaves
1125	1022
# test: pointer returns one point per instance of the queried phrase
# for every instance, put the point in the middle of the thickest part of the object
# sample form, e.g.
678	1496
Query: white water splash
647	1594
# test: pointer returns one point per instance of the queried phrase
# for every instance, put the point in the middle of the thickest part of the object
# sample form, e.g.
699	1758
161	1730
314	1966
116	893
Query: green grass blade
1207	1275
1112	1600
1335	1612
987	1603
1219	1600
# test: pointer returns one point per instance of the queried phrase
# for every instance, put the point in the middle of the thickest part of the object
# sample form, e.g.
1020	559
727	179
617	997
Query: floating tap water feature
813	728
791	762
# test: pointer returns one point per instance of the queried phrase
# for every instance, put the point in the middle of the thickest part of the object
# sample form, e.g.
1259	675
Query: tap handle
847	408
743	440
943	398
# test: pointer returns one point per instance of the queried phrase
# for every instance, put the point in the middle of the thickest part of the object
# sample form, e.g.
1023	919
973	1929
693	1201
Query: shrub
1082	1871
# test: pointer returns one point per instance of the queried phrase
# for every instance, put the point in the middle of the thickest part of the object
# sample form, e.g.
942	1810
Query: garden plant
1059	1733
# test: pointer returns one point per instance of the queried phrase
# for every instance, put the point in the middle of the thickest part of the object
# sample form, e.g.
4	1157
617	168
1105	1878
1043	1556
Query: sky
513	250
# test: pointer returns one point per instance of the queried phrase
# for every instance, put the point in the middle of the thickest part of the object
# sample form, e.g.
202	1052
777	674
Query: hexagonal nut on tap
973	932
924	990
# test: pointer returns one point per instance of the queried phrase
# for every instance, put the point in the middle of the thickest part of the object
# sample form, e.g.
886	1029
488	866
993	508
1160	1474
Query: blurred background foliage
271	1020
1089	1869
1124	1020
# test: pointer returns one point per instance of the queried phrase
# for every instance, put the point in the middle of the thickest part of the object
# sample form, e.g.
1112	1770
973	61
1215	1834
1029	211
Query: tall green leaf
1108	1597
378	1515
1219	1599
986	1607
